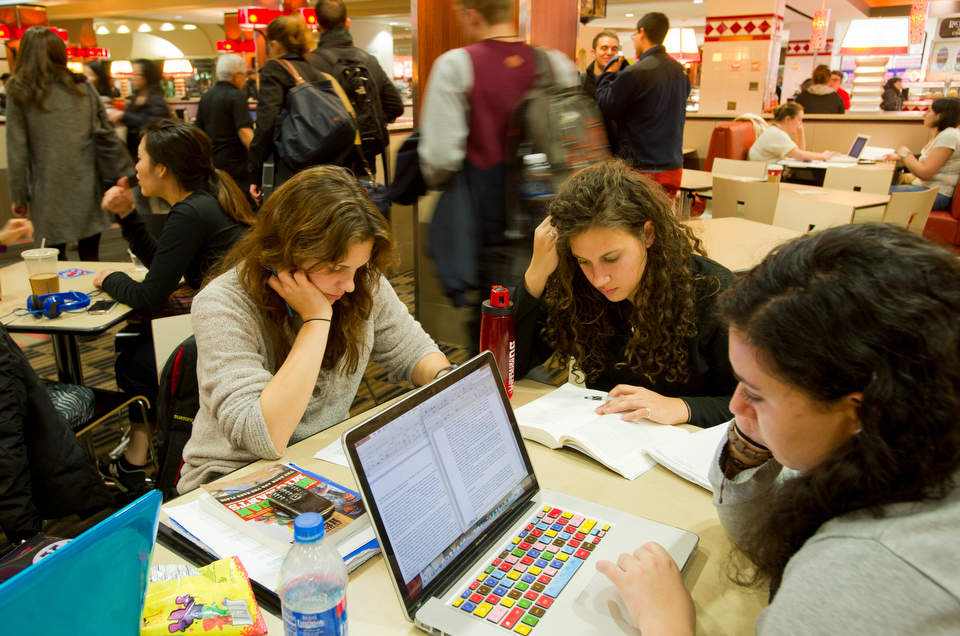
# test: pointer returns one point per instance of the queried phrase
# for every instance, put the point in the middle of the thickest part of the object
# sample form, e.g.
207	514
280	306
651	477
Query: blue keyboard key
523	533
557	526
528	578
490	582
467	606
567	549
543	526
557	563
500	591
596	529
497	574
533	554
562	577
506	582
565	535
541	563
466	594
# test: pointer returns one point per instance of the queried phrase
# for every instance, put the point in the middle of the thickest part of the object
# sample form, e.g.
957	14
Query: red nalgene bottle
496	333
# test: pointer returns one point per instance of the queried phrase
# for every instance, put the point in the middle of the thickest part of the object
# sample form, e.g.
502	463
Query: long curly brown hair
610	195
317	215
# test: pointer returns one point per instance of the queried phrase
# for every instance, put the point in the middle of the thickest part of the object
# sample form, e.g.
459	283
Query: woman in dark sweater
619	285
208	215
144	105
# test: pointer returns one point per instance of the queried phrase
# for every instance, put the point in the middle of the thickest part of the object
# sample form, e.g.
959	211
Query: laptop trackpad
601	596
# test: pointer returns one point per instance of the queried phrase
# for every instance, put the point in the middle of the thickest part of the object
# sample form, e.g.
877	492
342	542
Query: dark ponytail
187	153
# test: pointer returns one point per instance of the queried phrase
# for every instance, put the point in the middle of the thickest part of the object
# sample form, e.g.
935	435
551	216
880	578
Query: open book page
690	457
568	416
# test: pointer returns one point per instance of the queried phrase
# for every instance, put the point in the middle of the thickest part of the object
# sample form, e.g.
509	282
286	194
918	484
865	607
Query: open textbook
567	417
691	456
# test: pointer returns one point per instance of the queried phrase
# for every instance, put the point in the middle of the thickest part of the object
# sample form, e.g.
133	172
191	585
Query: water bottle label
333	622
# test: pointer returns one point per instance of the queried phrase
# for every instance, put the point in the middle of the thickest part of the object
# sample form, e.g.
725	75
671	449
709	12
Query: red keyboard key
527	560
512	618
476	598
543	578
493	599
529	527
581	554
573	543
536	532
570	529
530	595
497	561
595	540
579	536
523	546
545	602
556	512
475	585
505	567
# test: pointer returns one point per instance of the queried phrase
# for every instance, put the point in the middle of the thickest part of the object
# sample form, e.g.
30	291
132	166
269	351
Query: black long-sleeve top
196	234
711	383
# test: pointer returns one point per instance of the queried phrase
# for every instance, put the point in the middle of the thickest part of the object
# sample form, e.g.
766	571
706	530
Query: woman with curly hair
840	475
281	355
628	293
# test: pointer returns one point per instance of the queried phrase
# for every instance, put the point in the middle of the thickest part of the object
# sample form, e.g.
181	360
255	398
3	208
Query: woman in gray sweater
284	334
50	113
840	475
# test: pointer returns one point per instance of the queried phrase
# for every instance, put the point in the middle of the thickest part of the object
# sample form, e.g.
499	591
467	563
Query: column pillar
741	55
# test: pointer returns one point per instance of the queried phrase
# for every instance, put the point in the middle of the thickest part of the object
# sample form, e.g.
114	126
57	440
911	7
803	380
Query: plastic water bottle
536	188
497	333
313	583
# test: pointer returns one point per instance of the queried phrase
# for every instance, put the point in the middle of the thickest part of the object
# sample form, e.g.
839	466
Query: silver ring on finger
649	412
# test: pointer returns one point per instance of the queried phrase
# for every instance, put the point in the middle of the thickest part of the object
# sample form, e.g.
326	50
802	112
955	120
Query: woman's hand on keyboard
651	586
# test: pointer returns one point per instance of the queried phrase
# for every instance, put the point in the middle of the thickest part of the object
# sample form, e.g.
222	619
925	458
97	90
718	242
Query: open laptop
853	155
95	584
472	544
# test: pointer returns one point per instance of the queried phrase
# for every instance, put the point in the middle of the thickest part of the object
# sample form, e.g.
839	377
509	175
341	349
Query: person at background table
836	83
775	143
840	476
281	356
51	171
819	98
606	46
620	285
939	163
208	214
144	104
892	95
97	74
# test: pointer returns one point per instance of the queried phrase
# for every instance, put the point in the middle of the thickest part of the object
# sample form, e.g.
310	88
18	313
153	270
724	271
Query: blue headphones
52	305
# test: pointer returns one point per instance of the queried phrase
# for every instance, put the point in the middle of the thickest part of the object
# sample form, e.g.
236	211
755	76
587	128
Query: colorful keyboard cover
517	589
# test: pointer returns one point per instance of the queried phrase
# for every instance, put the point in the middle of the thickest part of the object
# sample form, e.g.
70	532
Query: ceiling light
697	1
189	27
123	28
144	28
102	30
166	26
177	17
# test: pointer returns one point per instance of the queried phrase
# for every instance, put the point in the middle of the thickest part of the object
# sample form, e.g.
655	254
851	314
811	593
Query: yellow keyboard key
522	629
483	609
547	509
482	577
534	570
458	602
513	574
551	533
516	541
563	557
587	526
567	515
506	601
606	527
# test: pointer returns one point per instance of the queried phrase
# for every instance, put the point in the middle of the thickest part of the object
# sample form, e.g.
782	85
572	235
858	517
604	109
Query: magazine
243	504
567	417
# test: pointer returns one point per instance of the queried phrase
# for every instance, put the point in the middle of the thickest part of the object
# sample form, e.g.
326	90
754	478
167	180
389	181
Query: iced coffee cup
42	270
774	173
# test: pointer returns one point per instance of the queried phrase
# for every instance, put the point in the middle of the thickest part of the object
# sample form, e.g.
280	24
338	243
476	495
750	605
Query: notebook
853	155
95	584
472	543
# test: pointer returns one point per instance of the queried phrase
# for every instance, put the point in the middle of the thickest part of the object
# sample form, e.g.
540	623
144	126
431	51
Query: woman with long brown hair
50	114
285	332
839	478
620	286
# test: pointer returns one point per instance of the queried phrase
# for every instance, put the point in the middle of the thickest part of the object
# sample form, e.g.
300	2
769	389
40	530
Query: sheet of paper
333	454
691	456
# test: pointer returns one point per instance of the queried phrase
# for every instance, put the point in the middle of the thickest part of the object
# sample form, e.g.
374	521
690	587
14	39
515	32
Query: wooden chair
759	199
858	179
735	168
905	207
804	215
168	333
919	221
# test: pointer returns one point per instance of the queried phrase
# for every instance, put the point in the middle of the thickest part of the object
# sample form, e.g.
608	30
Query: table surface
857	200
15	287
723	608
696	180
739	244
879	165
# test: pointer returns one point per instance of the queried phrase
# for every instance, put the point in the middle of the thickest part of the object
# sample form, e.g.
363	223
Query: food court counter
826	132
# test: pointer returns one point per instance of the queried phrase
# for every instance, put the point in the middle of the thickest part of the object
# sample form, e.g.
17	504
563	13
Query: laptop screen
858	145
438	470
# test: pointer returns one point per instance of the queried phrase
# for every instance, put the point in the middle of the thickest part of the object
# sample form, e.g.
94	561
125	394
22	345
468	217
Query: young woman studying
840	476
209	214
619	285
775	142
281	355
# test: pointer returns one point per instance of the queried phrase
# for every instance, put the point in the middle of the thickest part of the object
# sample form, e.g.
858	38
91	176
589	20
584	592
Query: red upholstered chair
730	141
945	226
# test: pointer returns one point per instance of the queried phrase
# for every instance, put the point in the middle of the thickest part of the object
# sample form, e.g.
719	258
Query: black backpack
558	121
357	81
178	402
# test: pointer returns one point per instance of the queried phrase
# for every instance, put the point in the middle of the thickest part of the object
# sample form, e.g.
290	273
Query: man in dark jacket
606	46
337	43
44	473
647	102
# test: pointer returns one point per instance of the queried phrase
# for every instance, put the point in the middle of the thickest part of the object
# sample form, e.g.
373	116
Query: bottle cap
308	528
534	158
499	303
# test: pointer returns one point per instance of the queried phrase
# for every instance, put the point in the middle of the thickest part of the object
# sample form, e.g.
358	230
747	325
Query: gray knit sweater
858	574
236	361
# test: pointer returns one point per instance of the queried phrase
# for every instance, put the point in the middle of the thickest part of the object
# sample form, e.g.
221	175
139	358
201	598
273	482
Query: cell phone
102	306
295	500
